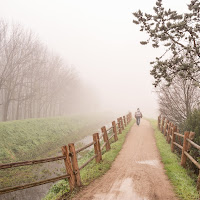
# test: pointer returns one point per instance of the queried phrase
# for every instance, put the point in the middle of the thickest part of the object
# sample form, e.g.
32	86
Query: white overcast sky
100	40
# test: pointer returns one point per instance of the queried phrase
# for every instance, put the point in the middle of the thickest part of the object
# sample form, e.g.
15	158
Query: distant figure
138	115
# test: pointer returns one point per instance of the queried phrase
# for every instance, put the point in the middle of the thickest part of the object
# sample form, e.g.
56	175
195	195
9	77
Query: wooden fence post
122	124
179	138
105	138
163	120
114	130
68	166
168	131
161	125
168	128
128	117
119	125
173	138
159	122
167	121
124	120
185	145
97	148
75	164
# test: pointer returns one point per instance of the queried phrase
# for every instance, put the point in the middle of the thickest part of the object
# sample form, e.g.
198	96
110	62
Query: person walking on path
138	115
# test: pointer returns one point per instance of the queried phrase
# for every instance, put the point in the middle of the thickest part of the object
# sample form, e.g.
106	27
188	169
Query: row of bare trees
33	81
178	100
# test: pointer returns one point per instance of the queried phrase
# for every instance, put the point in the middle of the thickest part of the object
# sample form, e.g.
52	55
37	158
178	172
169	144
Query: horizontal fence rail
178	134
85	147
30	162
192	159
86	163
34	184
109	128
170	130
103	146
193	144
70	156
178	145
111	137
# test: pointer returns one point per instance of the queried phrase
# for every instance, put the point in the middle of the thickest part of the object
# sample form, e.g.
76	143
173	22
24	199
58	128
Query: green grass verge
92	170
41	138
184	185
31	138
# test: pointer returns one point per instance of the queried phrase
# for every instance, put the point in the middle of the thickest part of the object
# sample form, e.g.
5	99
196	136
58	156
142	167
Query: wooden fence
70	156
183	142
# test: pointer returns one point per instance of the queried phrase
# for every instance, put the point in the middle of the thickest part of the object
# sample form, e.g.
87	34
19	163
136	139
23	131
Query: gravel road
136	174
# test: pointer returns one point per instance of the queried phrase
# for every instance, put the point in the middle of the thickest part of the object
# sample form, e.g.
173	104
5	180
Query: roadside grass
92	171
31	138
39	138
184	185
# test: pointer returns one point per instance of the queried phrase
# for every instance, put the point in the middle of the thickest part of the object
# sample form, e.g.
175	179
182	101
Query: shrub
192	123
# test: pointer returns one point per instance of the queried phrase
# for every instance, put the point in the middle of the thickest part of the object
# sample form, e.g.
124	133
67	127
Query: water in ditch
49	170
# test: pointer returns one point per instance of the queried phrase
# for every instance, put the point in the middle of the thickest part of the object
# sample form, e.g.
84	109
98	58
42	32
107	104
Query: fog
99	39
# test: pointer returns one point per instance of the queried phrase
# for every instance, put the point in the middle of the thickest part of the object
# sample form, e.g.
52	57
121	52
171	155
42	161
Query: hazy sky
100	40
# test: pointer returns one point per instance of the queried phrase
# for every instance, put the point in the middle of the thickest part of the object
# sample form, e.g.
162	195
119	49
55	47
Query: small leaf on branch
135	22
143	42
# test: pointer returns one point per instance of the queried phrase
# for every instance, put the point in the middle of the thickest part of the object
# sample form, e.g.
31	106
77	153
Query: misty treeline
35	82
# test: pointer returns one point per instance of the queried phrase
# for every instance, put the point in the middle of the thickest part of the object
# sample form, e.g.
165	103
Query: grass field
184	185
41	138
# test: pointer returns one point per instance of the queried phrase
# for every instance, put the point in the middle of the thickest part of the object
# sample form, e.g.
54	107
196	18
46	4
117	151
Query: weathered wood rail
171	132
70	156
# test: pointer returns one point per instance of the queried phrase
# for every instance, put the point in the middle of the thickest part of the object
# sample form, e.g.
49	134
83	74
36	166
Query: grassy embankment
92	170
184	185
40	138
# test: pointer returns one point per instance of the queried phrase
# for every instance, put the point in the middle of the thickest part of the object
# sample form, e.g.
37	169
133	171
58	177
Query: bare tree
178	100
34	82
18	46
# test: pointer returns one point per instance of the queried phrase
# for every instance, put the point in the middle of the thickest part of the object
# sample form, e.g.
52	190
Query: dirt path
136	174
